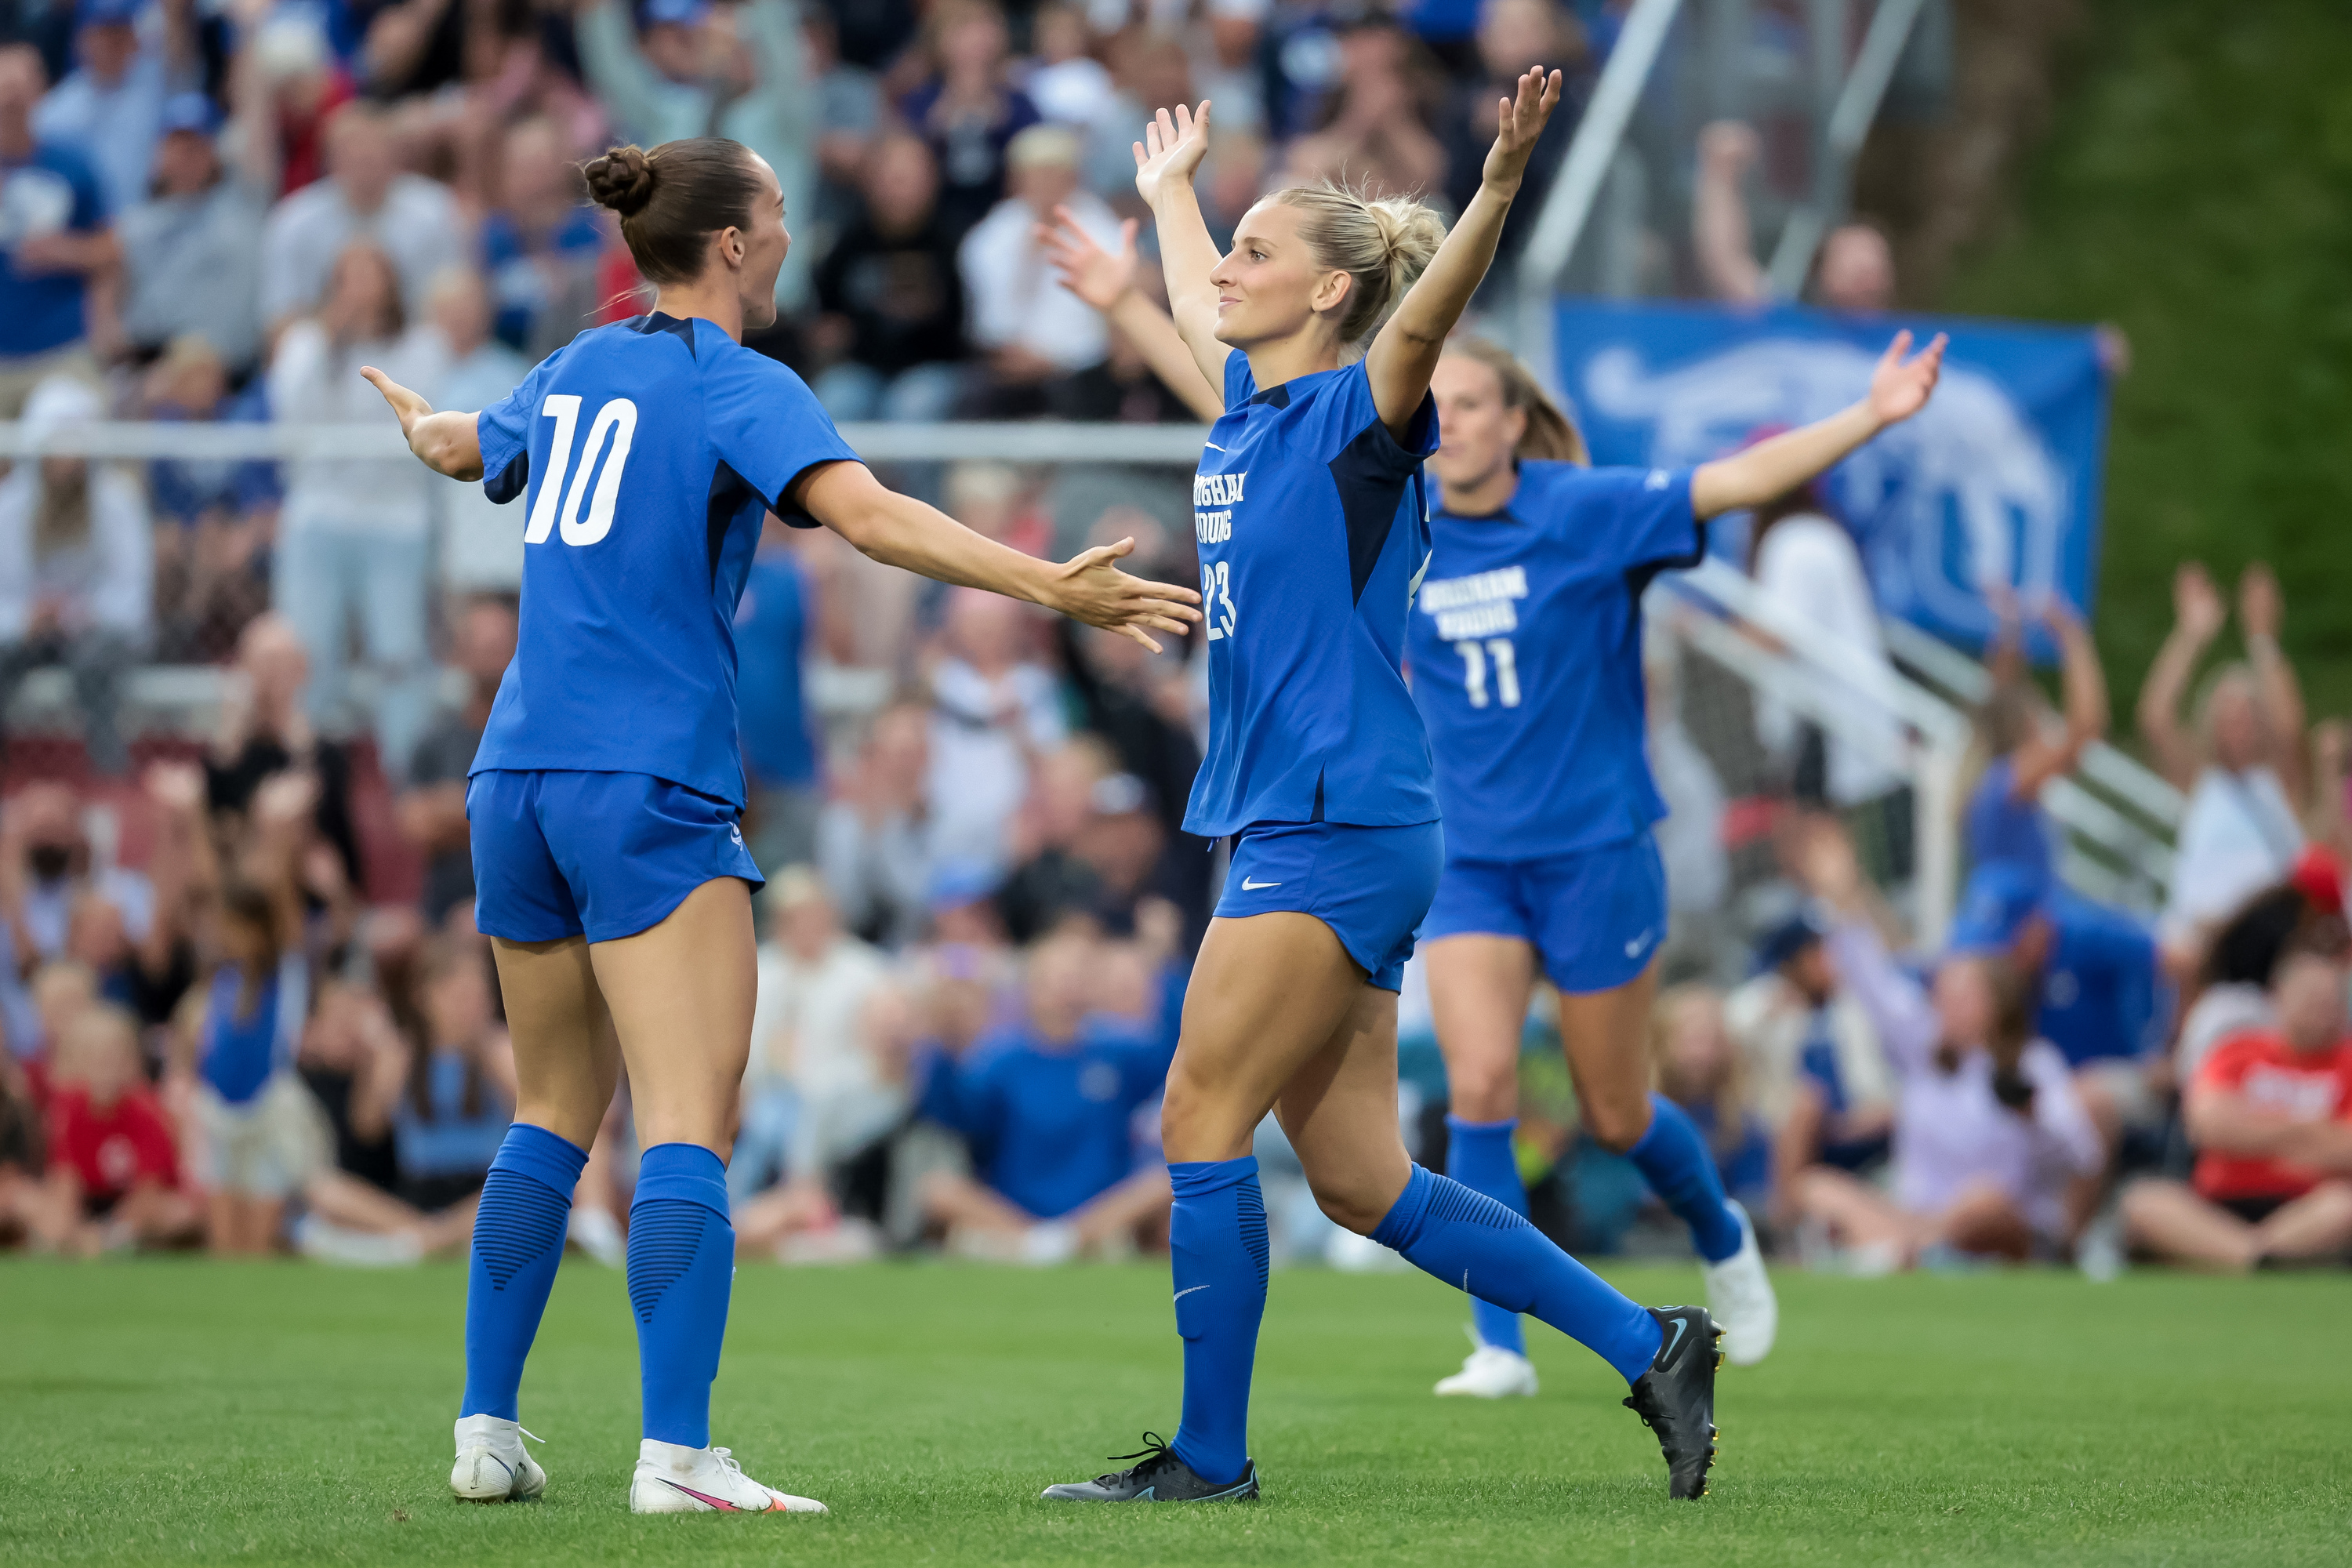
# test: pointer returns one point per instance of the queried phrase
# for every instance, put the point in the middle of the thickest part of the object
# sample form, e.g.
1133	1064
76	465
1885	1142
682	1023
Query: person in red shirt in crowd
2269	1113
114	1162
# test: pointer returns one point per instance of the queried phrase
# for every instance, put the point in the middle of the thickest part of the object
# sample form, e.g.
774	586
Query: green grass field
184	1411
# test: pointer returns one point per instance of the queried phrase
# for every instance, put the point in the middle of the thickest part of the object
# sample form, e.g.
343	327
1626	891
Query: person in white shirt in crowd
110	108
482	544
192	242
1809	574
1028	327
2243	767
364	197
355	533
994	707
77	572
813	1095
1990	1134
873	838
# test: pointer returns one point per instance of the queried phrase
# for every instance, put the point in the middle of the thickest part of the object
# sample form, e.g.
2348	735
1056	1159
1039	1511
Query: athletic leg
1478	990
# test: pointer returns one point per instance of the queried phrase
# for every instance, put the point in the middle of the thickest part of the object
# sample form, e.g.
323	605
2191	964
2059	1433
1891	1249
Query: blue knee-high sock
681	1267
1474	1243
1478	1155
1216	1242
1675	1161
518	1241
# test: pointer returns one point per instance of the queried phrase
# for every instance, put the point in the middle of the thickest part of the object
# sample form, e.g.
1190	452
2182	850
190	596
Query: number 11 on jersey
1474	659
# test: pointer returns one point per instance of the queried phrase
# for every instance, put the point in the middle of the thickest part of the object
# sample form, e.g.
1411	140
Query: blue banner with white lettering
1996	483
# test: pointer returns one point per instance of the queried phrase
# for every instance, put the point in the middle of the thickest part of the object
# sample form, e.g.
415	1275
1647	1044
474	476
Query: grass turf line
186	1411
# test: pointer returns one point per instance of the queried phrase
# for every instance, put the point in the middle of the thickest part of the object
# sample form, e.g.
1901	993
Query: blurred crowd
243	1004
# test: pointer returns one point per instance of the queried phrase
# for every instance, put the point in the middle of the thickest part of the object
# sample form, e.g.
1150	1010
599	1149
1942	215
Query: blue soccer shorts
1595	916
1370	884
600	854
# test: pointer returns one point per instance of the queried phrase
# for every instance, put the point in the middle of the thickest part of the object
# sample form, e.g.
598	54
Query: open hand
1172	149
1517	122
407	404
2197	608
2261	607
1095	275
1900	387
1087	587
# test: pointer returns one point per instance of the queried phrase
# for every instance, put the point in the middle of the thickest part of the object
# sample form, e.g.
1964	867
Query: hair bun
623	179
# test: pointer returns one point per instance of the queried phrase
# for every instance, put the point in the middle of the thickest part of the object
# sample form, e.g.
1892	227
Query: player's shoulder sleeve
1240	385
766	425
503	431
1364	444
1633	517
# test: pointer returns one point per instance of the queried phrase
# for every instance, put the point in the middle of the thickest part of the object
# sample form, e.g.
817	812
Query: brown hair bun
623	179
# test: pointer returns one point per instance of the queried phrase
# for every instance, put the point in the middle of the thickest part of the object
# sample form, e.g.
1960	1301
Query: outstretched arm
2197	616
1898	389
1106	282
1405	351
1165	161
448	443
899	531
2086	691
1720	232
2260	610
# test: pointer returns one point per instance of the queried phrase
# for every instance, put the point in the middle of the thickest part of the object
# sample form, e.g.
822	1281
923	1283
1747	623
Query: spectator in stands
2243	770
259	1127
1513	38
54	242
1990	1136
893	302
540	244
739	72
355	538
110	108
264	732
2232	992
873	838
815	1093
285	87
994	707
772	623
1690	837
1050	881
47	866
215	515
446	1099
1030	329
1135	701
850	119
482	544
2004	819
192	244
1046	1105
1067	83
1810	1058
148	975
1855	269
1378	131
432	809
1695	1063
1149	70
968	109
331	1059
364	200
113	1177
2269	1113
77	572
22	1160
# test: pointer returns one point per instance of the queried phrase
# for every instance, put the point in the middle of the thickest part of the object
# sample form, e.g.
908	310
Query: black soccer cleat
1160	1477
1676	1398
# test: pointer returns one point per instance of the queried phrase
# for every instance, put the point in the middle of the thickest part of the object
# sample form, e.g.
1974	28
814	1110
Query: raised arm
1405	351
1719	228
899	531
2197	617
448	443
2260	610
1899	388
1165	161
1106	282
2085	685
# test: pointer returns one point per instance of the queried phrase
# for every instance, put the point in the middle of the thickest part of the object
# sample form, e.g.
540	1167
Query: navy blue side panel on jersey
1526	658
648	452
1312	533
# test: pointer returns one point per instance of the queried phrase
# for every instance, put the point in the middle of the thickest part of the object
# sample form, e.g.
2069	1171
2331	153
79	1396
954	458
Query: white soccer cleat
1491	1372
672	1478
596	1233
1739	1298
492	1466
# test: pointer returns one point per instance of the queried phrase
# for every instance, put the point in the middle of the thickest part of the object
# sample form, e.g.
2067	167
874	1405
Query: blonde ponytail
1381	245
1551	436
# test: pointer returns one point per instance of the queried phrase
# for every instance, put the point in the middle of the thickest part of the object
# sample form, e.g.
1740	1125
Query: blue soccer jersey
1312	533
650	451
1526	658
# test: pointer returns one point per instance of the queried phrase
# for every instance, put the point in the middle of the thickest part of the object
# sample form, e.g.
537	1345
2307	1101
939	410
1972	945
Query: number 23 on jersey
615	424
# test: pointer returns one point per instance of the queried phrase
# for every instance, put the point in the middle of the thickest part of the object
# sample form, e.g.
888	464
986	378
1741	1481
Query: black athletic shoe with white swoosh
1160	1477
1676	1398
